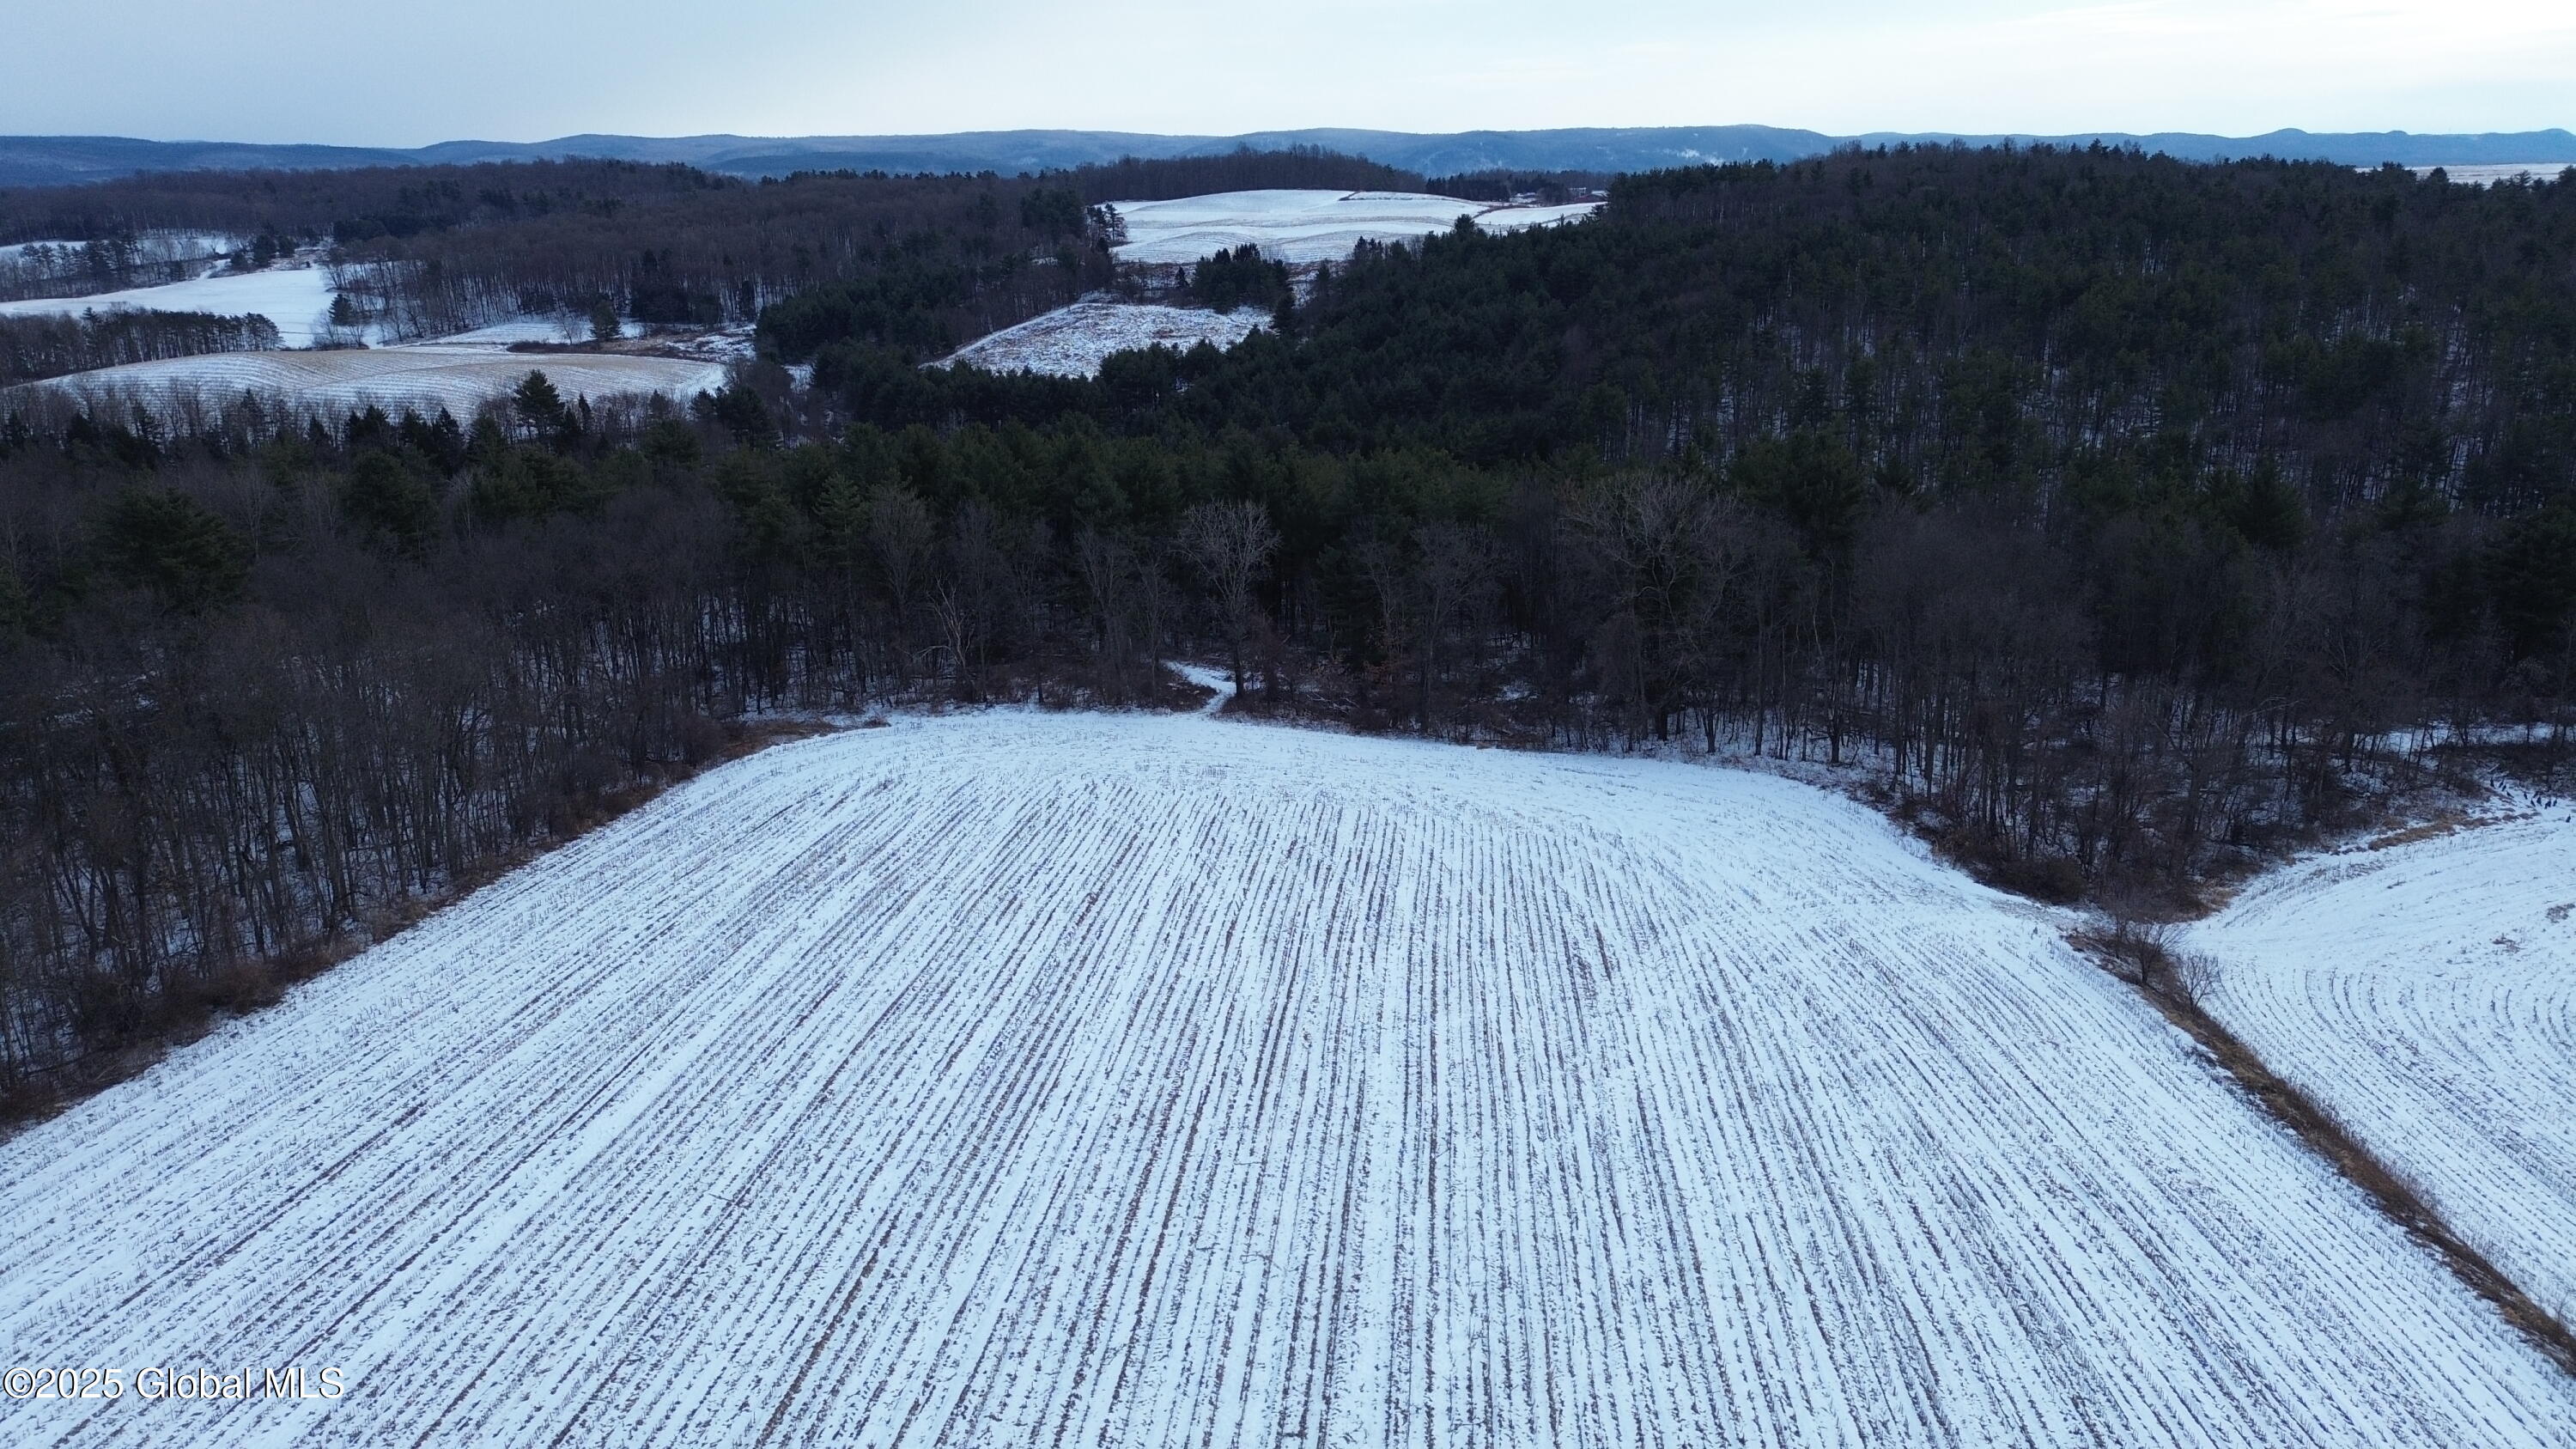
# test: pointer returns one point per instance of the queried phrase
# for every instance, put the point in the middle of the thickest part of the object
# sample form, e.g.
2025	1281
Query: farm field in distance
1016	1078
1073	341
460	379
296	298
1309	226
1303	228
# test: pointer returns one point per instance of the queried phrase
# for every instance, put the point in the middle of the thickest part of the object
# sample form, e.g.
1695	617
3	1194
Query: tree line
440	249
41	347
2105	517
110	262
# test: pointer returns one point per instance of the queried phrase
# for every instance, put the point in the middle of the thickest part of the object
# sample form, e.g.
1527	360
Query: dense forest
2116	520
435	250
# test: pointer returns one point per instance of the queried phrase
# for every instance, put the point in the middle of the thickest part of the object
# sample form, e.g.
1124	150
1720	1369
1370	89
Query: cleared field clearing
1073	341
1308	226
458	378
2427	993
296	298
1015	1079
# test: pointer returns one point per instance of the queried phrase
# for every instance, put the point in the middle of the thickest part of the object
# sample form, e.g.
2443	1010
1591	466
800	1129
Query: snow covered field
1306	226
458	378
1015	1079
2489	175
2427	992
296	298
1073	341
1298	227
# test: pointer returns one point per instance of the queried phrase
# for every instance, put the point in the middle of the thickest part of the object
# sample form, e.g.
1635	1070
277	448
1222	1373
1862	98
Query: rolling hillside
2426	991
68	160
1030	1079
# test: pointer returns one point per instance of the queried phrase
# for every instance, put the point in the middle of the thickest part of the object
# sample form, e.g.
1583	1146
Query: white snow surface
1304	226
2426	992
14	250
1073	341
296	298
2488	175
1017	1079
459	378
542	327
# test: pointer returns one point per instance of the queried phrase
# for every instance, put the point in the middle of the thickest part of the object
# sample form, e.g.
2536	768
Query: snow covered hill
1302	228
1073	341
1308	226
2426	991
1017	1079
296	298
423	375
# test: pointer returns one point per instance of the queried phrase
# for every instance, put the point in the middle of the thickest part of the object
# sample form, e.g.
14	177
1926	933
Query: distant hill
70	160
2353	148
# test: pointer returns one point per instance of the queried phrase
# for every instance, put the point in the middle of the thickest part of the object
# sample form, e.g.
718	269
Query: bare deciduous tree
1231	544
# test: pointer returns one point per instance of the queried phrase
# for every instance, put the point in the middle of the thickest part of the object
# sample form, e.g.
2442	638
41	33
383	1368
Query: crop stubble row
1030	1080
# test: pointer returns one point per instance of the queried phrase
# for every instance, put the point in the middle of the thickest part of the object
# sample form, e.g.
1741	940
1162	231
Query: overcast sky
520	70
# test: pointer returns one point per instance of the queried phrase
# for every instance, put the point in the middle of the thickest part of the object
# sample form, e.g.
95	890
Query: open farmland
1016	1079
2489	175
2425	990
1308	226
457	378
1302	228
296	298
1073	341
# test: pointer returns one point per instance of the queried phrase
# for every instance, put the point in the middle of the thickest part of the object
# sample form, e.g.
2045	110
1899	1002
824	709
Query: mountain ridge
33	161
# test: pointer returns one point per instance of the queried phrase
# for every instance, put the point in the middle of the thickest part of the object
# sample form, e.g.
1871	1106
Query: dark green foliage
1051	211
2533	574
542	413
2264	509
1243	169
1812	482
1239	278
660	291
88	439
741	413
522	483
389	504
439	443
168	544
671	442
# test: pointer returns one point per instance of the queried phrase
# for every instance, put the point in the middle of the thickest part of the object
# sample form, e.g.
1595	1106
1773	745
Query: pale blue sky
516	70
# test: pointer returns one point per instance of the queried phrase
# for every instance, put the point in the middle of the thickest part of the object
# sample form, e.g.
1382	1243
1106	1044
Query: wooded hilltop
2117	520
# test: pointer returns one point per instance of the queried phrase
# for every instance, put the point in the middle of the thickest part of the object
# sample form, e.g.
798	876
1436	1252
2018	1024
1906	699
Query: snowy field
1014	1079
1073	341
458	378
2427	992
2490	175
297	299
1307	226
